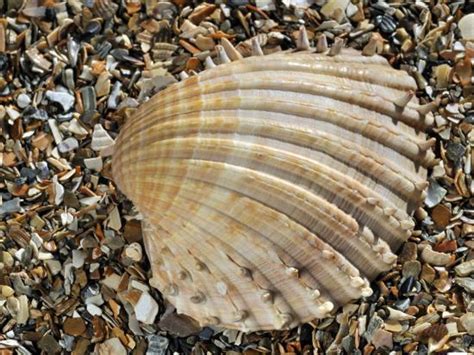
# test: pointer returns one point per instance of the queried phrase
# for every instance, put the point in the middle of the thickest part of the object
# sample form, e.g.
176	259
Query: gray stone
68	145
10	206
157	345
65	99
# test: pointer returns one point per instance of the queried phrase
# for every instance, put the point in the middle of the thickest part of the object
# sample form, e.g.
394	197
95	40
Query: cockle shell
274	188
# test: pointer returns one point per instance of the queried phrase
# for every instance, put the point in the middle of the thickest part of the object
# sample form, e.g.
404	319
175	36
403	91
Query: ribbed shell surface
274	188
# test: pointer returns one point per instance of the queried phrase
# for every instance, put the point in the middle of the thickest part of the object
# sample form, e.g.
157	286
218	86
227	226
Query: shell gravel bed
73	272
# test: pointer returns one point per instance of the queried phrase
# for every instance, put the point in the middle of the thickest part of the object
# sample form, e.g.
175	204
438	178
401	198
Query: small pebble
23	100
146	309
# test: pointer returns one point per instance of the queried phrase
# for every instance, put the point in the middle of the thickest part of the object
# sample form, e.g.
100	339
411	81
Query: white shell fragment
466	26
100	138
274	188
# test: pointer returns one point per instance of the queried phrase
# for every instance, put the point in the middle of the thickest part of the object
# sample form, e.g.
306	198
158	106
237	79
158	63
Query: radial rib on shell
274	188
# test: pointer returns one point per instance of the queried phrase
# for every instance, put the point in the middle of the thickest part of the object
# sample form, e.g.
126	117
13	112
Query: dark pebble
455	151
467	341
237	3
324	338
206	333
93	27
20	180
54	108
6	195
348	344
191	340
4	62
306	336
469	117
35	113
50	14
103	48
28	173
119	53
386	23
407	285
90	291
402	304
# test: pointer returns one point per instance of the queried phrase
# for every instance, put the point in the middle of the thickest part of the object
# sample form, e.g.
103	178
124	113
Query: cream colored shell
274	188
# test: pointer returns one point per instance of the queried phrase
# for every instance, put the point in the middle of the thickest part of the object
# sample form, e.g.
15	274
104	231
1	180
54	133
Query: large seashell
274	188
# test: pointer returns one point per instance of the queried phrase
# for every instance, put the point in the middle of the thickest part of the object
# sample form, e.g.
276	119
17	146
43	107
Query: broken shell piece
100	138
293	172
